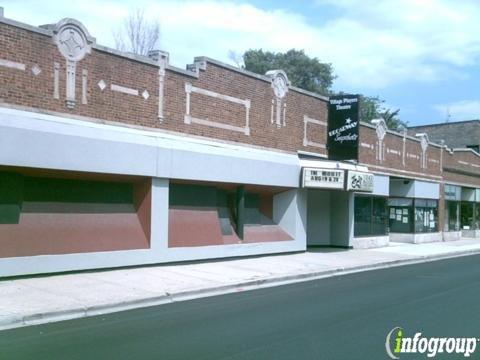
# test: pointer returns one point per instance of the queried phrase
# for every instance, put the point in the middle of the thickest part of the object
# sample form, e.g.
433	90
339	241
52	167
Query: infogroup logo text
397	343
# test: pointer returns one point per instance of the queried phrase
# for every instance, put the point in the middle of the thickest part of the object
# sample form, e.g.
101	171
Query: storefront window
363	215
401	215
370	216
426	215
379	216
452	210
466	215
453	195
477	216
413	215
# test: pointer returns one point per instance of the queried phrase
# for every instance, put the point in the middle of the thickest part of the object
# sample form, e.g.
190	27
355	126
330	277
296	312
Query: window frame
412	213
372	217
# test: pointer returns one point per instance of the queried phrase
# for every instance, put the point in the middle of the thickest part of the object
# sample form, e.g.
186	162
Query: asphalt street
344	317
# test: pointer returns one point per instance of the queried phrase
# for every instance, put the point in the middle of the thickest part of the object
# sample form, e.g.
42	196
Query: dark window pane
426	215
466	215
400	215
477	216
379	216
452	207
370	216
363	215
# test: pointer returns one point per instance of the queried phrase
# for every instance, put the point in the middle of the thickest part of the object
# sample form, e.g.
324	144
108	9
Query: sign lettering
323	178
343	124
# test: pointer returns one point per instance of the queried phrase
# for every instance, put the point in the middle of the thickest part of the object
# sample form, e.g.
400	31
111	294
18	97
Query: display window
412	215
426	215
452	216
467	211
370	216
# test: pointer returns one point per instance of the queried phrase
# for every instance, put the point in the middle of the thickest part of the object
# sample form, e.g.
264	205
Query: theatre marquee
323	178
337	179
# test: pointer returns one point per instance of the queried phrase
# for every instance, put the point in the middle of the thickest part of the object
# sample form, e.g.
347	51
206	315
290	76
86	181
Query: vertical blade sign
343	124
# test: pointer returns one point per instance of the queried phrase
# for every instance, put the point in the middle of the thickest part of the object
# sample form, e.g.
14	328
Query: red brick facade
227	98
25	89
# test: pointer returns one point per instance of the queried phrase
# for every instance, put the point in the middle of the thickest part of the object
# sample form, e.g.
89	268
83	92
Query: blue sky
421	56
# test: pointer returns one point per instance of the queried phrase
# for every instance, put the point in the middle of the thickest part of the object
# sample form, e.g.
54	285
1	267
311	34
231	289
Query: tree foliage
137	35
311	74
372	107
302	71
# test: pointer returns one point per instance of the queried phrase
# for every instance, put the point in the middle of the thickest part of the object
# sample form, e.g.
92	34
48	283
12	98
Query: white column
161	82
159	215
56	80
351	217
71	69
84	86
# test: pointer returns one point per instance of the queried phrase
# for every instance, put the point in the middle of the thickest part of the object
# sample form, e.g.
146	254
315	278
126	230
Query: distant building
460	134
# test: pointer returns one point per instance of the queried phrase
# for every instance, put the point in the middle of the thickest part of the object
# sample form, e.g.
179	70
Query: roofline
444	123
258	76
399	134
146	60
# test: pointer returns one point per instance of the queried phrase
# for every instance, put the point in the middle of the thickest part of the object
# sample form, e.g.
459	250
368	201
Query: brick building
109	159
456	135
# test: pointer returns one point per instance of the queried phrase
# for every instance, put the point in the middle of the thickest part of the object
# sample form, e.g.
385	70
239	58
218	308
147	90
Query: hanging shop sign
359	181
323	178
343	125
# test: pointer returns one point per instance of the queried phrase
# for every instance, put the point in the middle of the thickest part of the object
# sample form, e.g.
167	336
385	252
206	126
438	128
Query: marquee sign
343	124
323	178
359	181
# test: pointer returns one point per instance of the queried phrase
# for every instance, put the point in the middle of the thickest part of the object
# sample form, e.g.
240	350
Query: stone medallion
72	39
279	83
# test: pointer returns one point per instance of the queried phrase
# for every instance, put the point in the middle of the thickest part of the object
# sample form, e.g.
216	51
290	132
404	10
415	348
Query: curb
11	321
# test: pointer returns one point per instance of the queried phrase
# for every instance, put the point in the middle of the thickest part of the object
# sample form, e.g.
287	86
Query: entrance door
328	218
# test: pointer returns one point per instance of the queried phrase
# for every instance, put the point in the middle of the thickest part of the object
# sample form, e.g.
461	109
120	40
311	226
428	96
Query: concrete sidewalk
37	300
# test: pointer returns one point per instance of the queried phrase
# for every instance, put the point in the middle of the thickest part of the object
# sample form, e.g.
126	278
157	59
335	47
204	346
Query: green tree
312	75
372	107
302	71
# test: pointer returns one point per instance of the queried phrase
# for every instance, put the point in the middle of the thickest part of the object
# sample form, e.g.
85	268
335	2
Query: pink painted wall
47	232
42	234
200	227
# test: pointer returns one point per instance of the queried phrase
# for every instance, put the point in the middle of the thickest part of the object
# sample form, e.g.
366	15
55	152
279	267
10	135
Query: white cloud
416	39
372	44
460	110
